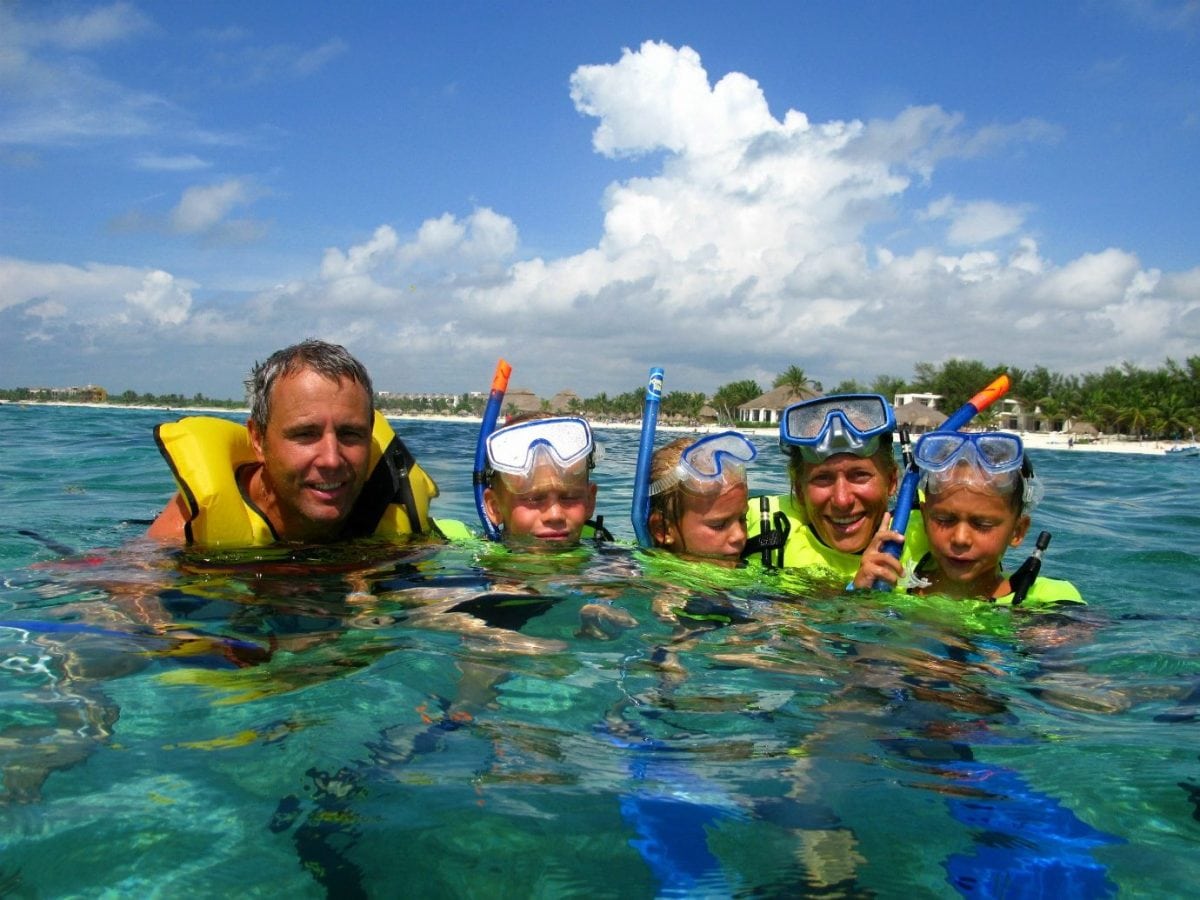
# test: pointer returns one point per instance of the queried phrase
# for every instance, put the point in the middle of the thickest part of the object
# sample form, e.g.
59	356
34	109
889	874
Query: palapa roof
522	400
918	415
777	398
561	402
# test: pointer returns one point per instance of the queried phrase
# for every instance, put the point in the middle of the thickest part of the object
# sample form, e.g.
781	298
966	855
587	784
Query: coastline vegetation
1159	403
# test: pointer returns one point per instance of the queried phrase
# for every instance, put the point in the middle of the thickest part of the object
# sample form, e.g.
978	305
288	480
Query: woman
842	475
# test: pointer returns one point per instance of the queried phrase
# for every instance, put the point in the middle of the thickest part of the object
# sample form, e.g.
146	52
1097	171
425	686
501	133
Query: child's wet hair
1023	489
663	463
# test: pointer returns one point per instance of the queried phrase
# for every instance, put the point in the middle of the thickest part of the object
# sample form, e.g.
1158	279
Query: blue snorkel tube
907	495
641	479
490	414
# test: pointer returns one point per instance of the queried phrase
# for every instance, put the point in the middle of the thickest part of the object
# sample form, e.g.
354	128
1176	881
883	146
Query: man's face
315	453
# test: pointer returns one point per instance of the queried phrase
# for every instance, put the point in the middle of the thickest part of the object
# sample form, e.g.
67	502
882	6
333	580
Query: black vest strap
770	537
599	532
388	484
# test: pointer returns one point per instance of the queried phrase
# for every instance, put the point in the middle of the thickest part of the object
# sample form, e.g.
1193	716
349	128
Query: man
315	462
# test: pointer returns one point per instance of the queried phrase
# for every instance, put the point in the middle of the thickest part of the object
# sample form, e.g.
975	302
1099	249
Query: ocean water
439	721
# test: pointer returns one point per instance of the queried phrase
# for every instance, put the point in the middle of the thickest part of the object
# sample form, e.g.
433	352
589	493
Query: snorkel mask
990	460
516	452
710	464
839	423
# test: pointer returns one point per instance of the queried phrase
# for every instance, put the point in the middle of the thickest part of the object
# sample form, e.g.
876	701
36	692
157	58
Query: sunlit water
381	721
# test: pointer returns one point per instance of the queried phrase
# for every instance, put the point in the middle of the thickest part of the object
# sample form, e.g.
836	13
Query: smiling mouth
329	488
845	523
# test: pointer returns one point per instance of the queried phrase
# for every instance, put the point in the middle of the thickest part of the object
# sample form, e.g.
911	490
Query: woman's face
845	498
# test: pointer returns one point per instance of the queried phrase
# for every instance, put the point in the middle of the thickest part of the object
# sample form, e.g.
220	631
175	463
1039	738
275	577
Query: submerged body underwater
448	719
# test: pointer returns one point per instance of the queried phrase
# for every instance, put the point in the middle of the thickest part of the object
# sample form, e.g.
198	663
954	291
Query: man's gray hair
331	360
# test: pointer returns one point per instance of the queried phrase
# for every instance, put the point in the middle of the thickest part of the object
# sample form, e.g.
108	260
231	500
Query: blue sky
592	189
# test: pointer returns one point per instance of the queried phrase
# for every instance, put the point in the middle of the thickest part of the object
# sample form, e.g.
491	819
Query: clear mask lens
847	423
709	463
992	461
519	449
992	452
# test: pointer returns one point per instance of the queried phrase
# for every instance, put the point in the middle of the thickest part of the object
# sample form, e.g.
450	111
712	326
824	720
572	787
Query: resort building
767	408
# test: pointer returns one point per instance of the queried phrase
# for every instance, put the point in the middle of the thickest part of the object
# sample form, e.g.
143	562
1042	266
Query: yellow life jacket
1046	592
206	454
1043	593
804	550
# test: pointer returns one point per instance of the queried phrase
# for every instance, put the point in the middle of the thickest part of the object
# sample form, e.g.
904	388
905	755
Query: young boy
539	494
979	490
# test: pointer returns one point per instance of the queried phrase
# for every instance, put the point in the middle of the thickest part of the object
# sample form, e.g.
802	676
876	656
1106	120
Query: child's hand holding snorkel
877	564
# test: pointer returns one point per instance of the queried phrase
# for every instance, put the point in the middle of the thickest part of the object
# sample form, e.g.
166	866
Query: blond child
699	497
979	491
539	494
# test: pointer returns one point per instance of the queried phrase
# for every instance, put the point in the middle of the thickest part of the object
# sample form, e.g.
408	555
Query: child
699	498
979	490
538	490
697	512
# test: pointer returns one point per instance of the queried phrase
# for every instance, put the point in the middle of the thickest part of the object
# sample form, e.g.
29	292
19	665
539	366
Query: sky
591	189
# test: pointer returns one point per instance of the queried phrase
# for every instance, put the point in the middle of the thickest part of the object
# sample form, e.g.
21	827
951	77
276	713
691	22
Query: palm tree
796	381
730	396
1136	417
1175	418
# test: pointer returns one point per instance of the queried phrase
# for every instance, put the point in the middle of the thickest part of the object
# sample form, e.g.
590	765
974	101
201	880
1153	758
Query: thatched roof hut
521	400
918	417
564	402
767	407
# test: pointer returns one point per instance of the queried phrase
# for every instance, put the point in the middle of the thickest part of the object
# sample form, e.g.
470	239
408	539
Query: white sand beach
1102	444
1033	440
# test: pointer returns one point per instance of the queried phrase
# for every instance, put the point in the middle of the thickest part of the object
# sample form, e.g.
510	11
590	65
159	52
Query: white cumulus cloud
202	208
161	299
746	242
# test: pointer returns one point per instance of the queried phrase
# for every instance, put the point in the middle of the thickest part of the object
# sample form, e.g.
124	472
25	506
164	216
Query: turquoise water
177	725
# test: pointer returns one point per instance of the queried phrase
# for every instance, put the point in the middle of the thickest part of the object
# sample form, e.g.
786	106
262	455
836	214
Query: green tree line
1158	403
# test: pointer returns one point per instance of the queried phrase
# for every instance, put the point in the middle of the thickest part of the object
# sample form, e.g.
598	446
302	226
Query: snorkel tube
907	495
640	512
490	414
1022	580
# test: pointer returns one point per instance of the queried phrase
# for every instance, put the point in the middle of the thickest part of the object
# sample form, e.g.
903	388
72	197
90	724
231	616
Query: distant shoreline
1034	441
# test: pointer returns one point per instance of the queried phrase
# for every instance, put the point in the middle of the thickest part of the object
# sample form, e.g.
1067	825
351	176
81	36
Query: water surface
385	720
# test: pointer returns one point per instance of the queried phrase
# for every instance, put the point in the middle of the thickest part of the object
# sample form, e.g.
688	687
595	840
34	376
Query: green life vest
804	550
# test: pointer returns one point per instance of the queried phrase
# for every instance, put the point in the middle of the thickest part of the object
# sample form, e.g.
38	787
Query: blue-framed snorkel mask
710	464
838	423
993	460
516	452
